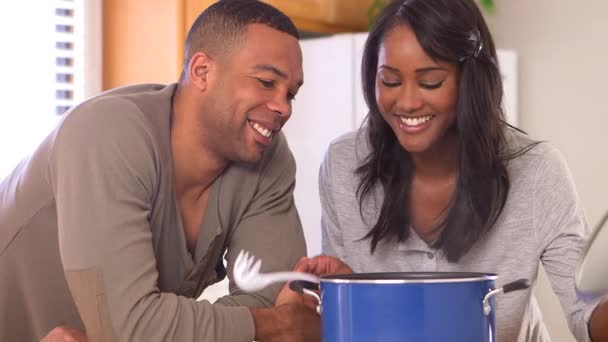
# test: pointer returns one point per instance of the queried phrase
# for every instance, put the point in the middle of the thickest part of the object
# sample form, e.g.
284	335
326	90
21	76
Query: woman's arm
562	230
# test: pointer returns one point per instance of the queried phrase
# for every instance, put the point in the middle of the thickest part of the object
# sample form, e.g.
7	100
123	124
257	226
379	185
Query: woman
437	181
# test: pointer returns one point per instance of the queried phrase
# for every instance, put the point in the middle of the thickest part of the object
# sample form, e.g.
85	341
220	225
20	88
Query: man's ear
199	70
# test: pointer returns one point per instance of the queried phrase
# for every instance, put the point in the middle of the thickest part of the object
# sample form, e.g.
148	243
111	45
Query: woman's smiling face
416	94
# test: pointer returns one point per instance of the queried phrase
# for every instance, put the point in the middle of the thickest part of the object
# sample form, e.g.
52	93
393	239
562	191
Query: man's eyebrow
274	70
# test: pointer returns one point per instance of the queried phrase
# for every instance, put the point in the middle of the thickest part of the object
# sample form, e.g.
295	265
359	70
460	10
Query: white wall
323	110
563	83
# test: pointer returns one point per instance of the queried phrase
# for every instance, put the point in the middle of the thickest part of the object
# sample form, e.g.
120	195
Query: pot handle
308	288
510	287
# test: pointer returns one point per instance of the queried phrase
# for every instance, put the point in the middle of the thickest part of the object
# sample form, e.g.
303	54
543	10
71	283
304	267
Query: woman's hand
321	265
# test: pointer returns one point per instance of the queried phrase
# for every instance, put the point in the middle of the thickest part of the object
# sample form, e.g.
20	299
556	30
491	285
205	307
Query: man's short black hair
218	29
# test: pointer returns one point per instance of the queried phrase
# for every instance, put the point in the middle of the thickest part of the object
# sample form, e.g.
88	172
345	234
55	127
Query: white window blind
78	53
54	62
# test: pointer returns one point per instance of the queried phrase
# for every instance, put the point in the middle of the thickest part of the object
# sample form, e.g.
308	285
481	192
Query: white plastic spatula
247	274
592	271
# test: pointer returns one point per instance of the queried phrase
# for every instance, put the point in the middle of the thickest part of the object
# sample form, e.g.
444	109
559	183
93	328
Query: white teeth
415	121
263	131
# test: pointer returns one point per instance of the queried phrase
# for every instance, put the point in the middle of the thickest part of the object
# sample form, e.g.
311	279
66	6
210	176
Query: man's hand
65	334
598	324
287	323
288	296
294	317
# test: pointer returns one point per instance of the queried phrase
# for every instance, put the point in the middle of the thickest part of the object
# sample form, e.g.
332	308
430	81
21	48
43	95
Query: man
121	217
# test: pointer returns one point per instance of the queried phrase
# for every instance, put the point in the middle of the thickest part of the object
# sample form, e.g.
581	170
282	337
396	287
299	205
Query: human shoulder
348	151
116	106
534	162
346	142
526	150
119	113
110	131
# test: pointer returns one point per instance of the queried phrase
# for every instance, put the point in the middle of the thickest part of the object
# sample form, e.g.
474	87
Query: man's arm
103	171
269	228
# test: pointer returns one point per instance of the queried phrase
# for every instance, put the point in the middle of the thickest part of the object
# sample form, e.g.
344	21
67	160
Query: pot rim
409	278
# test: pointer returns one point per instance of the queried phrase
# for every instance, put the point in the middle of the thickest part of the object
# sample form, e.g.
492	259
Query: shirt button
430	255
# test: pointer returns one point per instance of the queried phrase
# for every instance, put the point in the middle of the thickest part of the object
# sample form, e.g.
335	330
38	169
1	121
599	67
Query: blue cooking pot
364	307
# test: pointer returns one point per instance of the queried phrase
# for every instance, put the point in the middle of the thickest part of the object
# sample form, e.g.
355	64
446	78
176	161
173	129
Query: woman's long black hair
452	31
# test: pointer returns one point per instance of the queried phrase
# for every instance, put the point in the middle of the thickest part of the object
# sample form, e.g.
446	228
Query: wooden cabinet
322	16
143	40
327	16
